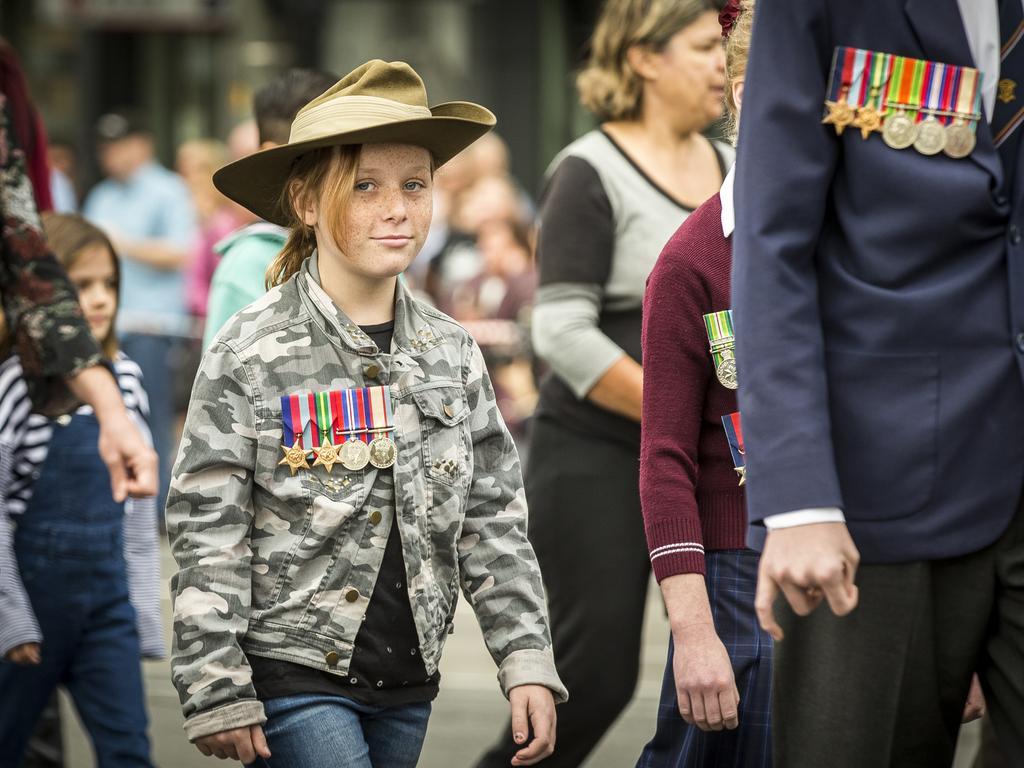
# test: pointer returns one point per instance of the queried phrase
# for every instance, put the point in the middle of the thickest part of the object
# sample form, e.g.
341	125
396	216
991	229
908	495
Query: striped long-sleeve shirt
24	444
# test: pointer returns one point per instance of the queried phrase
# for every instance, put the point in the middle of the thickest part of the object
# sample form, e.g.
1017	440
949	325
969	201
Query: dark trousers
886	685
587	530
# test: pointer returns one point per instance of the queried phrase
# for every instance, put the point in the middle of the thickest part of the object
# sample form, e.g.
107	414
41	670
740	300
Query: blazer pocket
885	411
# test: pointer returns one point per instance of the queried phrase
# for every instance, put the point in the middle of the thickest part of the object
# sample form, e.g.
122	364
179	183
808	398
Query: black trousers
886	685
587	529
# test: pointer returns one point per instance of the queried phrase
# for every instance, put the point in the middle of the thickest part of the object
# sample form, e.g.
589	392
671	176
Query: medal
960	140
840	115
899	131
294	457
382	450
355	454
723	343
931	137
869	118
326	455
734	434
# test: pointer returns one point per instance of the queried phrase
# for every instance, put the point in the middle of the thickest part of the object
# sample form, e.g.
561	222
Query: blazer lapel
940	33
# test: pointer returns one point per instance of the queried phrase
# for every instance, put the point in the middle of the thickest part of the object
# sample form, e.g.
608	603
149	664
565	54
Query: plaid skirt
732	580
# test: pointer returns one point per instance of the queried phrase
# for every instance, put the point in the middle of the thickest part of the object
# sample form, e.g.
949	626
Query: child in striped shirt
79	573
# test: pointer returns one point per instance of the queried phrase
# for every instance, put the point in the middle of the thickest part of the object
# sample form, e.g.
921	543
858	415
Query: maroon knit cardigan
691	499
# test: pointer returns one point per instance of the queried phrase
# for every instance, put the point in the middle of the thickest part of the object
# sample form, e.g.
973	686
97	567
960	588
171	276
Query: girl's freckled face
388	216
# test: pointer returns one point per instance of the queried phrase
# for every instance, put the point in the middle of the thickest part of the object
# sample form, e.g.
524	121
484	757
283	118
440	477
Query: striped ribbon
734	433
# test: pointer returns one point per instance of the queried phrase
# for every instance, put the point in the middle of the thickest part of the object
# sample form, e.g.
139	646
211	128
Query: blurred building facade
191	66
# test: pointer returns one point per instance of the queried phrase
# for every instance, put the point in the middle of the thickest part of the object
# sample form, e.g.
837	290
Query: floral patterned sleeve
40	305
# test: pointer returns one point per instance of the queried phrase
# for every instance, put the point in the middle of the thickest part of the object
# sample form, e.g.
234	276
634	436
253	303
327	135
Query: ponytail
325	175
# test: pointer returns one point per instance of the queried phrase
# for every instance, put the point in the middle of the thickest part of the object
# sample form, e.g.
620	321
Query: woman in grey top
613	198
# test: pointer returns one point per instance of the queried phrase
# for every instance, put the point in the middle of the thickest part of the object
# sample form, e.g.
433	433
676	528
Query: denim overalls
68	546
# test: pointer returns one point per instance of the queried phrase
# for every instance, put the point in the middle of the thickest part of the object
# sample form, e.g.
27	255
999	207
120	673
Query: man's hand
975	706
705	684
532	705
26	654
131	462
244	744
808	563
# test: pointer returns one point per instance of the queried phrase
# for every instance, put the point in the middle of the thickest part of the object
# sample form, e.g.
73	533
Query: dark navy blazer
878	298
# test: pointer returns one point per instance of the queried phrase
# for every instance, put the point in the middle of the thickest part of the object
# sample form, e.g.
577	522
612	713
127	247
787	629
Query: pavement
467	714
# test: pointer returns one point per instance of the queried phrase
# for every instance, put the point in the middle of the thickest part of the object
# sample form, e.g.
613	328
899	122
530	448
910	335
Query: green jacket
283	566
239	278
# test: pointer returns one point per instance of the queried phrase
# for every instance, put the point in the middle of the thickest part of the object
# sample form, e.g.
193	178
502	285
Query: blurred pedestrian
336	648
716	696
245	255
148	213
215	214
612	200
81	601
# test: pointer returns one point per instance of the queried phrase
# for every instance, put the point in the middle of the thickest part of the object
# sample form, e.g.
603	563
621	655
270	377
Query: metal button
1015	236
1020	342
352	595
331	657
448	410
353	680
375	517
64	419
372	371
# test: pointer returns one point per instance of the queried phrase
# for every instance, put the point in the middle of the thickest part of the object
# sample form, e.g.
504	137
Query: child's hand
532	706
26	654
244	744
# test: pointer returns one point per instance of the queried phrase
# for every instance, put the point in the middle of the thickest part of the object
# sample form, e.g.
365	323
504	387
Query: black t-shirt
387	669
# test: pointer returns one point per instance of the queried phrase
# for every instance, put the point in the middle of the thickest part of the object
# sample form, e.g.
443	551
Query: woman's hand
244	744
705	684
532	705
26	654
975	706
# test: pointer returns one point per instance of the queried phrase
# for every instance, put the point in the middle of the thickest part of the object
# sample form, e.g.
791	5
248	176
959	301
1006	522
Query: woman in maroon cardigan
716	697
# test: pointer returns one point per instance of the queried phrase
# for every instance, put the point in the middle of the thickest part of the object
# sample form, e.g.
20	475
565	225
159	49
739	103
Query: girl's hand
244	744
26	654
532	706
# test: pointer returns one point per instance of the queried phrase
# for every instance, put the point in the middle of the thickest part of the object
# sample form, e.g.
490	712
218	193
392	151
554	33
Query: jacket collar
414	332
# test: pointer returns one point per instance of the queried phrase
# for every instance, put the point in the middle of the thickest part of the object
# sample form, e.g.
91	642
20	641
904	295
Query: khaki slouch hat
379	102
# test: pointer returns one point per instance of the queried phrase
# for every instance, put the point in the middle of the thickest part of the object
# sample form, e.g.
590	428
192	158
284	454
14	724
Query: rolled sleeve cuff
18	633
238	714
805	517
531	667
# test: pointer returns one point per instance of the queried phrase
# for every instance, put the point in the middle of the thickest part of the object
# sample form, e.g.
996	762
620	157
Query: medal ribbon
349	411
880	75
720	333
734	433
380	409
289	416
968	96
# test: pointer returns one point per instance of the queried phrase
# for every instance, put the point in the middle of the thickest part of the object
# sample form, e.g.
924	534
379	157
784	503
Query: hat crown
376	93
394	80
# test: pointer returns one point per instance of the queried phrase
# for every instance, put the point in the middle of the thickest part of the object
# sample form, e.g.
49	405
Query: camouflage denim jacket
284	566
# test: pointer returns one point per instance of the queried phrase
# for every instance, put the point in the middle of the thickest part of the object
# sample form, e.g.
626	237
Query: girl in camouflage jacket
318	575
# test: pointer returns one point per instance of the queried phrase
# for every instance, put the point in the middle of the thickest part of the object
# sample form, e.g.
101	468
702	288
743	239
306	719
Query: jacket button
331	657
372	371
375	517
352	595
448	410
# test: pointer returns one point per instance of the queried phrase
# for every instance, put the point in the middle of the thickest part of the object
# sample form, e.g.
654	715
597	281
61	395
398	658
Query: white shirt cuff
805	517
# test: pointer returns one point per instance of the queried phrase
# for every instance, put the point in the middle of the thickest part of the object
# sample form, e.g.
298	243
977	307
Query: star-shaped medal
840	115
327	455
868	120
294	457
742	472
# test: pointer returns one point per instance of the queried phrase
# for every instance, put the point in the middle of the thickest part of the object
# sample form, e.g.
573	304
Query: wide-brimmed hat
380	102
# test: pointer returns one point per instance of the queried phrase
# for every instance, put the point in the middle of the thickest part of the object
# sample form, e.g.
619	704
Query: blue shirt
154	204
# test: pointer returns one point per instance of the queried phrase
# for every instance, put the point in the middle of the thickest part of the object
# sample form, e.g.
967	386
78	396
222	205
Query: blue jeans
154	356
313	730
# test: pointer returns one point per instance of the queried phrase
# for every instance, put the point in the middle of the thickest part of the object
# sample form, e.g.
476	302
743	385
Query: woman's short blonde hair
737	51
607	85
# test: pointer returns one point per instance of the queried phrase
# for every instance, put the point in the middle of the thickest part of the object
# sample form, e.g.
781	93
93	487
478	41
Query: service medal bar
382	448
931	106
723	343
734	434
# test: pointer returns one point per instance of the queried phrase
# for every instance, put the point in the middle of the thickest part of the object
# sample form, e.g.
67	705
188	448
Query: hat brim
256	181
